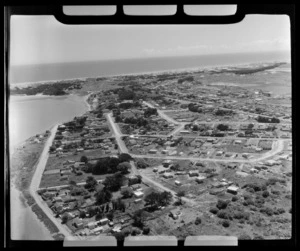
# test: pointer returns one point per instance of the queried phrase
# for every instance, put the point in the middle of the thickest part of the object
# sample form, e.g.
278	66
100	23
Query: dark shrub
281	210
238	215
223	214
214	210
146	230
275	192
198	221
222	204
234	198
269	211
226	223
265	194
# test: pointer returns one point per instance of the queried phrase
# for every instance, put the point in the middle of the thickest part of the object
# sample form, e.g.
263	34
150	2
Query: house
193	173
245	155
271	162
135	186
92	225
200	178
155	169
232	189
138	194
97	230
177	182
137	200
174	214
219	153
184	132
167	162
153	151
103	221
167	175
79	150
238	142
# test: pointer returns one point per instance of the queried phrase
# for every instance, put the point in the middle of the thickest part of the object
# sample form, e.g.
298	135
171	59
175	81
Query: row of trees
262	119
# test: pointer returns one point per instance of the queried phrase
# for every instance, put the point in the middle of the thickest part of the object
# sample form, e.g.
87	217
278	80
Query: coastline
23	201
181	70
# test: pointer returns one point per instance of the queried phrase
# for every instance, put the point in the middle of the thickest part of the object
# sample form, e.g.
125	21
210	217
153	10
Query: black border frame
120	18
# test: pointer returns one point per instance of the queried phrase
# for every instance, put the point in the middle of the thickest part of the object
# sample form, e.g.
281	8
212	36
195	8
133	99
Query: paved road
117	133
35	182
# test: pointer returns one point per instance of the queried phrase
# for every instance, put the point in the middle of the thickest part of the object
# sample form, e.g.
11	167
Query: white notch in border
89	10
210	10
213	240
150	10
99	241
150	241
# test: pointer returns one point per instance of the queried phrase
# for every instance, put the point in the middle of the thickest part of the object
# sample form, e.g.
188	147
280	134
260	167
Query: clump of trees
263	119
91	183
223	112
111	165
150	111
156	199
222	127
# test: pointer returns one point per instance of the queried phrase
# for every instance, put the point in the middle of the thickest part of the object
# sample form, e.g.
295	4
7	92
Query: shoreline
180	70
22	196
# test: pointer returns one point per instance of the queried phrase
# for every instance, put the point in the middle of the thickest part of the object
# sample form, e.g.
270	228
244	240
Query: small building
177	182
219	153
155	169
103	221
200	179
137	200
193	173
167	162
153	151
232	189
135	186
92	225
138	194
98	230
184	132
167	175
271	162
174	214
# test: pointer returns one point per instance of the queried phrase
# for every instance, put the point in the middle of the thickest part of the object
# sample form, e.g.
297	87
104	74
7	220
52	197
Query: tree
84	159
124	167
110	216
222	127
72	183
138	218
114	182
146	230
125	157
141	164
127	193
103	196
180	194
91	183
64	219
222	204
198	221
91	211
82	214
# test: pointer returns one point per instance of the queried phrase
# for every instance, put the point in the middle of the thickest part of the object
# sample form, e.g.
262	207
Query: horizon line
149	57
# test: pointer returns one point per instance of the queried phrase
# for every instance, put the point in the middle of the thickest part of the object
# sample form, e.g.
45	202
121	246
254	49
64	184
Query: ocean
59	71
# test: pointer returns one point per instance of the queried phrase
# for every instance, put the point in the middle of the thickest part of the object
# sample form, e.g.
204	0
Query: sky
42	39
